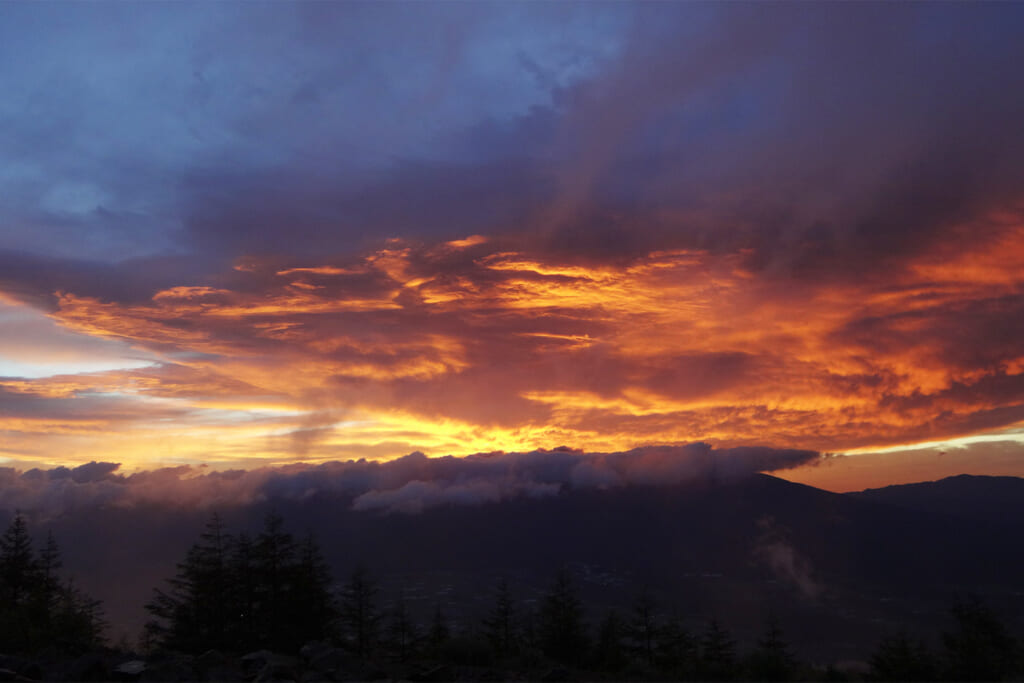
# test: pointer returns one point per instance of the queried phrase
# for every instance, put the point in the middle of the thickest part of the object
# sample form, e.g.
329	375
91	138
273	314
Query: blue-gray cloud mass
813	136
408	485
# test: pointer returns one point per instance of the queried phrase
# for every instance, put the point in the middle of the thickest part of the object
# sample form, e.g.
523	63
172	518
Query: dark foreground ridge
757	579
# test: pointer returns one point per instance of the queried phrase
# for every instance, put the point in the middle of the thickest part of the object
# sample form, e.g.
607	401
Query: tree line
38	610
275	592
235	593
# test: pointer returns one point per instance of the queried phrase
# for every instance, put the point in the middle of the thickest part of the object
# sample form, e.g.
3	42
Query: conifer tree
77	620
717	653
193	612
18	566
242	592
358	612
562	632
643	627
676	649
772	660
611	651
312	604
401	630
236	594
275	552
36	609
49	564
439	633
980	648
499	624
898	658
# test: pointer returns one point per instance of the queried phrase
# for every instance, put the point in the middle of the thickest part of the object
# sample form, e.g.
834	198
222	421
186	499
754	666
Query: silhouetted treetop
37	610
233	593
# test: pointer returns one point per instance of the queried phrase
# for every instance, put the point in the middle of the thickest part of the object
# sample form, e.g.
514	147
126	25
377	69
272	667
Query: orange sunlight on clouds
473	345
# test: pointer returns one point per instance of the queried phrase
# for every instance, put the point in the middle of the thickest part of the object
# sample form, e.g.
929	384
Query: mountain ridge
737	549
998	499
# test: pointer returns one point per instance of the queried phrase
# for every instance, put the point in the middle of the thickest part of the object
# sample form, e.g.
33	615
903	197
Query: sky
250	235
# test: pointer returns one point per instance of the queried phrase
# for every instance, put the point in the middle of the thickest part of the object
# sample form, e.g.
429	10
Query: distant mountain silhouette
847	565
991	499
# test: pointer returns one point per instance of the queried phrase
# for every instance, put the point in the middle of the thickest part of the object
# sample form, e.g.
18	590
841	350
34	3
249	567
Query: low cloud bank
409	484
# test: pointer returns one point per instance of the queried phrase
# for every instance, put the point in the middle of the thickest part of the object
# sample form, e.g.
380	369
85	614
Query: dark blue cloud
824	138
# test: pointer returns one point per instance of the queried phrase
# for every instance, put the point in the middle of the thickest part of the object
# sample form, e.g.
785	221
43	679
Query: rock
211	659
32	671
228	672
28	669
313	648
435	674
89	667
169	668
558	674
265	665
325	660
129	671
255	660
213	665
275	672
373	672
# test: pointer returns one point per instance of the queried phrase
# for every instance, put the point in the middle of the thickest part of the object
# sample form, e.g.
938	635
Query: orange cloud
459	350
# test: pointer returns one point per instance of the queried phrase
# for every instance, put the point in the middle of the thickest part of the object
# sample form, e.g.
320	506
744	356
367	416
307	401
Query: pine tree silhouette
611	651
312	607
676	650
358	612
562	631
37	610
897	658
771	660
18	566
242	593
193	613
643	627
439	633
499	624
275	552
402	630
235	594
717	653
980	648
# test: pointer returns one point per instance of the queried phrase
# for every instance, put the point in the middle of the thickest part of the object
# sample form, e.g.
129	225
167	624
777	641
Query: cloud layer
409	484
612	226
469	346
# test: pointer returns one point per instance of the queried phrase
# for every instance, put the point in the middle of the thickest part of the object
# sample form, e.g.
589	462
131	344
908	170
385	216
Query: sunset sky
250	235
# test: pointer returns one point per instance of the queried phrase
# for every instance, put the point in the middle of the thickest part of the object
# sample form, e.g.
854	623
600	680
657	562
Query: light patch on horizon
33	345
994	456
1013	435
